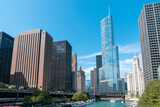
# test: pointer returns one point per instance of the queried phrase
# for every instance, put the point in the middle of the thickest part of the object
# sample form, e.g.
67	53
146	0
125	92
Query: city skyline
81	35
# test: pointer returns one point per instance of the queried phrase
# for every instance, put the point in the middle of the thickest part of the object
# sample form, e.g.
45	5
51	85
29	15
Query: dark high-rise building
98	65
61	67
6	48
31	61
149	29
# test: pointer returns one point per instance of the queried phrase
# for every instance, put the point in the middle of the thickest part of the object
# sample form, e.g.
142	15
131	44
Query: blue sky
78	21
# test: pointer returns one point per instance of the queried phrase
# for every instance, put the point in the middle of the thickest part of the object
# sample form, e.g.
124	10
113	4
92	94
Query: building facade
135	79
6	49
81	78
88	86
98	65
109	74
31	60
149	29
74	72
61	66
93	78
125	82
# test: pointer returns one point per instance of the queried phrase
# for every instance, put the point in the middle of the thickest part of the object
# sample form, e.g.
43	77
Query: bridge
12	95
110	96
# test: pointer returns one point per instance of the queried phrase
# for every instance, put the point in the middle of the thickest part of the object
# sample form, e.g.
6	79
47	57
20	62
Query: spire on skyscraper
109	10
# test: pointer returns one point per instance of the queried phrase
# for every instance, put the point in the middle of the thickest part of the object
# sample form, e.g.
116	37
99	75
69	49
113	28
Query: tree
5	86
137	95
78	96
12	87
132	95
41	97
85	96
36	92
27	99
21	88
151	95
89	97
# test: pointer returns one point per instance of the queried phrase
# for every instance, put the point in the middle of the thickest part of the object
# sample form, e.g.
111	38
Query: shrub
12	87
21	88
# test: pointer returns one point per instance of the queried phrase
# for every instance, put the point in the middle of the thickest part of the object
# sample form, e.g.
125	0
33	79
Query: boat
122	102
112	100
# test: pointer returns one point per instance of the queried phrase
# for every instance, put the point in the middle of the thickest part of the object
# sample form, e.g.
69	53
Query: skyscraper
93	76
74	72
109	74
31	61
6	48
61	67
88	86
98	65
149	29
81	79
135	79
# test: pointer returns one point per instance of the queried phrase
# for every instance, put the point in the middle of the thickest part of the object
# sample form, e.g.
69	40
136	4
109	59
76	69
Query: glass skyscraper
109	74
6	48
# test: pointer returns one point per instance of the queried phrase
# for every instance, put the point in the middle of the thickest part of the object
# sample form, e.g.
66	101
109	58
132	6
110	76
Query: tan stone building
81	87
74	72
31	62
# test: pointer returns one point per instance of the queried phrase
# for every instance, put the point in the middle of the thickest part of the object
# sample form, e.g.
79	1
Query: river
108	104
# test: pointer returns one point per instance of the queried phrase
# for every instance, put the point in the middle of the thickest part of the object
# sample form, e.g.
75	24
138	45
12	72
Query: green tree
78	96
36	92
151	95
5	86
27	99
12	87
137	95
89	97
42	98
132	95
85	96
21	88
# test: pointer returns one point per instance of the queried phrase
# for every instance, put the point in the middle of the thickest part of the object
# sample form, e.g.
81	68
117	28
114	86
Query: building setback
6	48
74	72
61	66
149	29
81	78
31	60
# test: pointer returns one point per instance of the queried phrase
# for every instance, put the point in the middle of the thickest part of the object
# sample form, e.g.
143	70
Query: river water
108	104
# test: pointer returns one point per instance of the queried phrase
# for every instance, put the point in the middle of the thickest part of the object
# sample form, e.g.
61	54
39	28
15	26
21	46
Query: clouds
87	72
89	56
130	48
125	66
127	51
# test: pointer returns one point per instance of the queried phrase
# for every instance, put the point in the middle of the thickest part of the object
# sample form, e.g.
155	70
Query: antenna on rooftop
109	10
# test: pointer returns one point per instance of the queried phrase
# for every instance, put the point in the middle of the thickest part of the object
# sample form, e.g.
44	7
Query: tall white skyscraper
149	29
135	79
